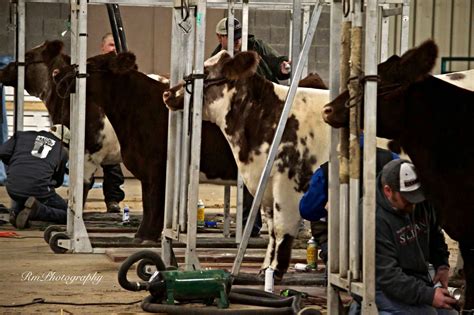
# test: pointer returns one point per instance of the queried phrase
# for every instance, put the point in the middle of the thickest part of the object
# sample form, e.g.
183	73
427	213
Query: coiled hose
275	304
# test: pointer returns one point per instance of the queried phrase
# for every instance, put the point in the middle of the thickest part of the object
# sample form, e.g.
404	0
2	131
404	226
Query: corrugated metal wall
449	22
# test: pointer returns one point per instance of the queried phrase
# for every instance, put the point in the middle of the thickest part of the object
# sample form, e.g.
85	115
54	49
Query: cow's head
36	71
100	69
396	75
221	71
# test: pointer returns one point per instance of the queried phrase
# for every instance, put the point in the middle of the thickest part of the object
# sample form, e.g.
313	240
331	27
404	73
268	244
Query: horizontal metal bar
391	12
336	280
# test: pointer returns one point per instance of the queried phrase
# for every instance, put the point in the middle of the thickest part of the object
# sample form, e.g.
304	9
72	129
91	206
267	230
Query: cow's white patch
159	78
214	59
467	82
110	152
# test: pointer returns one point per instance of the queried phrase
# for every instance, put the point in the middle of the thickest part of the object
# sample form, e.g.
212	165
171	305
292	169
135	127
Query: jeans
50	209
113	178
387	306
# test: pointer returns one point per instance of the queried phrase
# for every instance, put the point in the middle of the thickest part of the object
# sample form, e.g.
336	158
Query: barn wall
449	22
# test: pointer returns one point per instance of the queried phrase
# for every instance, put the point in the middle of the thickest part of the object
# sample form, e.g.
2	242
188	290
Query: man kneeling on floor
36	163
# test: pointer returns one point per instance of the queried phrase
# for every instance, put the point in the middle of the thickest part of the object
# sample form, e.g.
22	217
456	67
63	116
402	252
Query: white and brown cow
247	108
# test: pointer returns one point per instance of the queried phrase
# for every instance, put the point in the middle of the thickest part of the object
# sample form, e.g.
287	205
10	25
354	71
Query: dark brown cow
101	144
247	108
133	102
432	121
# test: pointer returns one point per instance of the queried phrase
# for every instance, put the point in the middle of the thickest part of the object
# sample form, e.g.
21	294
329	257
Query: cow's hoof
278	275
137	240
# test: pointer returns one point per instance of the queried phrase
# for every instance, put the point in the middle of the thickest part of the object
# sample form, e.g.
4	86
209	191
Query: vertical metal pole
384	34
296	33
405	26
370	117
227	211
230	27
333	215
188	52
80	241
354	148
171	204
306	17
239	215
240	183
20	58
191	260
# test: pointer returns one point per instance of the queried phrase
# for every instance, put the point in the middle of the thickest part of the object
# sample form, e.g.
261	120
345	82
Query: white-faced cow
432	121
247	108
101	143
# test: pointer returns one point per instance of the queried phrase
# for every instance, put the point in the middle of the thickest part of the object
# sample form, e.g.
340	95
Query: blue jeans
51	209
387	306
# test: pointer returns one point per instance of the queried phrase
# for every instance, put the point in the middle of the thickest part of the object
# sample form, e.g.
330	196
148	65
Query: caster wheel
53	242
50	229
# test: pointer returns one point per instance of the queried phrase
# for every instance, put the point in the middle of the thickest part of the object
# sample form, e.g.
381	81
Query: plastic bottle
126	216
269	280
311	253
200	213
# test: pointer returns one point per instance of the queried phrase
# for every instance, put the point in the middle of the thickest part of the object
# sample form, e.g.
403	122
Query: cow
101	143
247	108
431	119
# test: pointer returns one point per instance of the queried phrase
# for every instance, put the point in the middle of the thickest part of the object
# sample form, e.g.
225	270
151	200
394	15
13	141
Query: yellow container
200	213
312	253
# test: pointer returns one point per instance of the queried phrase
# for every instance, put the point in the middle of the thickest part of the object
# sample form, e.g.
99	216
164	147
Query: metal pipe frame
20	58
333	197
276	140
191	260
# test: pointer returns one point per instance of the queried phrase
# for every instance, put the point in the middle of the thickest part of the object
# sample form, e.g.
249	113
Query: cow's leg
286	223
153	197
270	254
90	167
467	252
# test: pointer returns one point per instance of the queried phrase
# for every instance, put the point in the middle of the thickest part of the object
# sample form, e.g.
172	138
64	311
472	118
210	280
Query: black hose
122	273
275	304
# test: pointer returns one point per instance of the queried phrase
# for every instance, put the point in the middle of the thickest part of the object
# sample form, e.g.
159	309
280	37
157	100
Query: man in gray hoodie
408	238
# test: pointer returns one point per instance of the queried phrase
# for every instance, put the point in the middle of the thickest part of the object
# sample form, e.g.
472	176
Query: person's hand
442	275
442	299
285	67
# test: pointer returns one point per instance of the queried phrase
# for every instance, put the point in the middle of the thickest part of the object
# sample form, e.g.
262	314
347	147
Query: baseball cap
401	176
222	27
63	134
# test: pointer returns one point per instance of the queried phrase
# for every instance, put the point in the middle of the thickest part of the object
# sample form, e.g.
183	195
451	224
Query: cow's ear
52	50
243	65
123	63
418	62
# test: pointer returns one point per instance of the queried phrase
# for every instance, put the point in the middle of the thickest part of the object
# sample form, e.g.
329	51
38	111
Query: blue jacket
313	202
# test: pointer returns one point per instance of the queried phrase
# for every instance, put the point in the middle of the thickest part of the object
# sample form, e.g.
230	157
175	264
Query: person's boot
30	211
113	207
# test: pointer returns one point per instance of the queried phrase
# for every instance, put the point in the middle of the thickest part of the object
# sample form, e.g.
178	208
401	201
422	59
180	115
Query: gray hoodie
405	244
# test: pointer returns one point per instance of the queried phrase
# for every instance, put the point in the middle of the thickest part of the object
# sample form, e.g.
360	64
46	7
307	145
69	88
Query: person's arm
439	253
313	202
272	58
390	277
7	149
58	176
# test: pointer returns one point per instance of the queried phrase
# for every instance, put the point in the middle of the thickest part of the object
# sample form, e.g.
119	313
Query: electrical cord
43	301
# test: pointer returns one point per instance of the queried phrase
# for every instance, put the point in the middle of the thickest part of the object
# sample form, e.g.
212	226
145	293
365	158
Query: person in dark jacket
271	66
113	175
36	162
313	203
408	238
